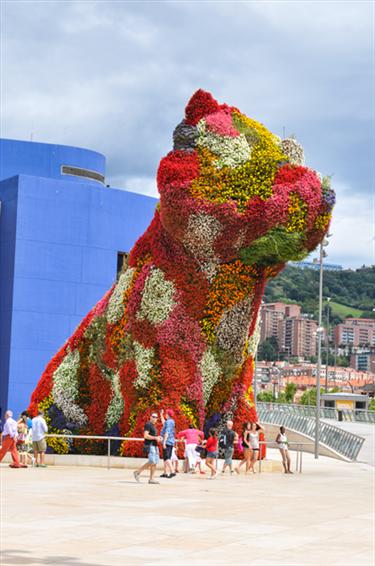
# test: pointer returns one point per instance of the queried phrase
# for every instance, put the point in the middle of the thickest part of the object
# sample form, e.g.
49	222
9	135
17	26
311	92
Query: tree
290	391
265	397
371	406
309	396
269	349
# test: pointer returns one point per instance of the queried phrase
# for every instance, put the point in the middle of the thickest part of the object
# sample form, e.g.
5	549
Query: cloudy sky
115	76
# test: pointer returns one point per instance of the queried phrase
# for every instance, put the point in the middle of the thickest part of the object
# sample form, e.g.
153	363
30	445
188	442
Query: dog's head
231	189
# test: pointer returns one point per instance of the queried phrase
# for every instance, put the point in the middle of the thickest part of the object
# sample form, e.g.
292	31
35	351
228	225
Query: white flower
157	298
201	233
116	302
231	151
116	405
255	338
233	328
65	388
144	358
210	371
294	150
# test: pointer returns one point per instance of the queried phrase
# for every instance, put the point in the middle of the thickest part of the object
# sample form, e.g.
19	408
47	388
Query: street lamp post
319	333
327	346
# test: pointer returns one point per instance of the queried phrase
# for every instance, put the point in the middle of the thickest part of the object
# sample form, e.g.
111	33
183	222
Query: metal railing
344	443
71	437
348	415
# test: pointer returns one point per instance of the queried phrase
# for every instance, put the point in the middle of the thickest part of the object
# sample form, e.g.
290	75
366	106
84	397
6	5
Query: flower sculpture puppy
179	327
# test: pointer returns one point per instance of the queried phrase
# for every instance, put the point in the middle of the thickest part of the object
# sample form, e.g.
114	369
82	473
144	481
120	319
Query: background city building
355	332
295	332
63	236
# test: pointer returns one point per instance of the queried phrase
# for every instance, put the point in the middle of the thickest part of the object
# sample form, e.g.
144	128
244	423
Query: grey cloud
115	76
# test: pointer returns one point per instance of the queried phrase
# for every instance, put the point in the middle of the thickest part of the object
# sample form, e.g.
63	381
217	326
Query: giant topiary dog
179	328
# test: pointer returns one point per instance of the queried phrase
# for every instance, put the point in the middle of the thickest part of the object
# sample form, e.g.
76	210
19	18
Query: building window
79	172
122	262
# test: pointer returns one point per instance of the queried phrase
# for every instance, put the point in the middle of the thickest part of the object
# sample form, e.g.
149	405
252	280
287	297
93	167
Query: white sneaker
136	476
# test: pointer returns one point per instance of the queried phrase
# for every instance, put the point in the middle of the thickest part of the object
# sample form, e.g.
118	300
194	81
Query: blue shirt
169	427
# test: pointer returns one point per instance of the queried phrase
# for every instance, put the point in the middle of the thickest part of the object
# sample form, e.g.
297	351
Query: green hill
352	293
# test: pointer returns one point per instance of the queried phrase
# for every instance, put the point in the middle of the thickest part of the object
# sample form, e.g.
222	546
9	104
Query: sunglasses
154	416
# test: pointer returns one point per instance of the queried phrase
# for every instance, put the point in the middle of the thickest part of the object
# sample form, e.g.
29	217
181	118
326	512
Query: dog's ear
201	104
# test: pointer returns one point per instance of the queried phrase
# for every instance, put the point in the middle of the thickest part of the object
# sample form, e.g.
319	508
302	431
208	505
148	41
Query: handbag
201	451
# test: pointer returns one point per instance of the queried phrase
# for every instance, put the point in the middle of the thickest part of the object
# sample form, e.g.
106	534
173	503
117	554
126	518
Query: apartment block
295	333
355	332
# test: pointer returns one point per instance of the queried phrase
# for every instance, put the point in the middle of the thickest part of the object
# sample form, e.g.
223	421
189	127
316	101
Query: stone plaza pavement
74	516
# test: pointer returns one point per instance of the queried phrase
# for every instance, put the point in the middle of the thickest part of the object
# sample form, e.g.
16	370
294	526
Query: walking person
192	437
168	435
282	442
39	429
228	439
211	445
150	449
254	443
9	439
246	459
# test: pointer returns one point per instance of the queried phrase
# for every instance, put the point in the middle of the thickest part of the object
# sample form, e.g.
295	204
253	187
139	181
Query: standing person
168	435
246	448
150	449
282	442
22	431
192	437
29	421
228	439
9	439
211	446
254	443
39	428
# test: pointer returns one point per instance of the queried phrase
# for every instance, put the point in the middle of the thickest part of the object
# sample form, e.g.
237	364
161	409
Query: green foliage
290	391
268	350
278	246
265	397
351	292
309	396
371	406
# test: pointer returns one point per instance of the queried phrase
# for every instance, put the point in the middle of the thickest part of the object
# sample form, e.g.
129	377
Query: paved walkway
89	516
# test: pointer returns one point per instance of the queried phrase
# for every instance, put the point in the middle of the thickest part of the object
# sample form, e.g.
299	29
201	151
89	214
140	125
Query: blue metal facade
59	239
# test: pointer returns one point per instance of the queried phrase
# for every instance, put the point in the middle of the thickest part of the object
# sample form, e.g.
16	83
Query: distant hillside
352	293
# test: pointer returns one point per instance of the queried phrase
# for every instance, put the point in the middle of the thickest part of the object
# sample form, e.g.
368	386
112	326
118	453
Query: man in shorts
229	438
150	449
39	429
168	435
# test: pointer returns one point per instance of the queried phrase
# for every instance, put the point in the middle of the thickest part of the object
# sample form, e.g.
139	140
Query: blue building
63	236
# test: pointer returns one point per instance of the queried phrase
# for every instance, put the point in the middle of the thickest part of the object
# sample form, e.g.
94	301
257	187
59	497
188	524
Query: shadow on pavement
9	557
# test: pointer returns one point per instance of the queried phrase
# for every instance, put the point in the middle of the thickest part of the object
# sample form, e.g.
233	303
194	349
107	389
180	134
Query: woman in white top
254	443
282	442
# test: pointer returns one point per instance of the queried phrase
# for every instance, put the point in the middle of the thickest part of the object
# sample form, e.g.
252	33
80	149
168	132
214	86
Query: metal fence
297	446
348	415
344	443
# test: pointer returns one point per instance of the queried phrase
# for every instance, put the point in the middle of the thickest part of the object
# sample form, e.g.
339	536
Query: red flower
200	104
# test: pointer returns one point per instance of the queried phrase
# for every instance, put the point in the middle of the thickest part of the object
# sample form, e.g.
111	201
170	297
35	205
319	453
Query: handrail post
300	460
109	454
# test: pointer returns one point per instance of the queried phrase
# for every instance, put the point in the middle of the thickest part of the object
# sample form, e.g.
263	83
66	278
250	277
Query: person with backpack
228	439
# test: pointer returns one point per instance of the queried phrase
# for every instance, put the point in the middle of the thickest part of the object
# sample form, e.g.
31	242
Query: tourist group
25	439
198	448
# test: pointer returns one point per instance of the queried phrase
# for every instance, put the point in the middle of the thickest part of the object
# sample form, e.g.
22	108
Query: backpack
223	440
